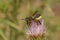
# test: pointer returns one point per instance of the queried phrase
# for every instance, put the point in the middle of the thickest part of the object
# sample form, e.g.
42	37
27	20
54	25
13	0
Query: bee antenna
22	19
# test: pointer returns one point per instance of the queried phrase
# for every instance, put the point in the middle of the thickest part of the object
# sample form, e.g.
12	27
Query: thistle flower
36	29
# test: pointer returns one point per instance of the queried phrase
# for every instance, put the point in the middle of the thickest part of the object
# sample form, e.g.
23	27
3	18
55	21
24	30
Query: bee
35	17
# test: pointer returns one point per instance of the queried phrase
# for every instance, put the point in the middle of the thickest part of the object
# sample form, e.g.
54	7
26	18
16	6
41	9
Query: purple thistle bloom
36	29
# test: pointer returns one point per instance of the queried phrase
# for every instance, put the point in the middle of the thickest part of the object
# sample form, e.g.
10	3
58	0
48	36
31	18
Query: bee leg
39	22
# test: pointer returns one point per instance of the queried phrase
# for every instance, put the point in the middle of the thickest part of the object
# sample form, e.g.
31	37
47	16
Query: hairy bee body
35	17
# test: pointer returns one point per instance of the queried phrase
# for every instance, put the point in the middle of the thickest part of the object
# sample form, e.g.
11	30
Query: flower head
35	29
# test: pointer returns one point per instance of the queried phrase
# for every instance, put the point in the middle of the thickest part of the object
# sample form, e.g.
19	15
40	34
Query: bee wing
36	15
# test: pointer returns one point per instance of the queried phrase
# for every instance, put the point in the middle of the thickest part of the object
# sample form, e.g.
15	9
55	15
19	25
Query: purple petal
36	29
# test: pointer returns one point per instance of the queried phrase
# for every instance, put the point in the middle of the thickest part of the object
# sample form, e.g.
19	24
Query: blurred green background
11	11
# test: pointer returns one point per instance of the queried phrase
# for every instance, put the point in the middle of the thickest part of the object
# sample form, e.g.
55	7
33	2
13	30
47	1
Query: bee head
28	18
